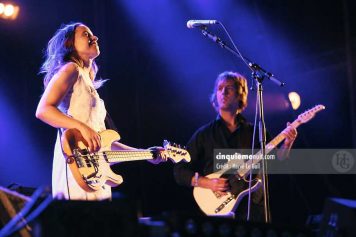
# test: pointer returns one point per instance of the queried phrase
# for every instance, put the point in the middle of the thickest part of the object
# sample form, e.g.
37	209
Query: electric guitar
91	170
213	204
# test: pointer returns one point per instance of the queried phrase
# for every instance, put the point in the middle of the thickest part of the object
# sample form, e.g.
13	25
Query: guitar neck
269	147
127	155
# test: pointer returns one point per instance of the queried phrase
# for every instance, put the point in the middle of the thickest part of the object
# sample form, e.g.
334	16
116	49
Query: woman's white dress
83	103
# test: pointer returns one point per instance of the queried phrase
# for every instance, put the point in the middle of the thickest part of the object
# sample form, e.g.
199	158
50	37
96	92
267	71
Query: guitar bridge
87	161
84	158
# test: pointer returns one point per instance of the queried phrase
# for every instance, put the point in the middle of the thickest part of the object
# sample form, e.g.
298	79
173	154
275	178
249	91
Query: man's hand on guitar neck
291	134
217	185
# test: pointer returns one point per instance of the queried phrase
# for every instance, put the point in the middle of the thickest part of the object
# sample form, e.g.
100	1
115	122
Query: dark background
162	73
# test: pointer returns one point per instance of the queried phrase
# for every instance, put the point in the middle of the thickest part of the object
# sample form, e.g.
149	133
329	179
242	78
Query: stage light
9	11
294	99
2	8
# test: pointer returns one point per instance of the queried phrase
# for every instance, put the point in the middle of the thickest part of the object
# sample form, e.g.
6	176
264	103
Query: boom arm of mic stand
253	66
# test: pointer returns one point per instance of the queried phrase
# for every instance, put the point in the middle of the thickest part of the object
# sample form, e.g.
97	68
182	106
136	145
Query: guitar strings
102	157
123	155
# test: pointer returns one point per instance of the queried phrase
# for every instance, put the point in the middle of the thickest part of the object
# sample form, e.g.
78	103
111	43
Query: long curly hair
60	50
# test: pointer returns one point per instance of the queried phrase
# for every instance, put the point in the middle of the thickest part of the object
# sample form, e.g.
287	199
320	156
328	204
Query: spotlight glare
294	99
9	10
2	8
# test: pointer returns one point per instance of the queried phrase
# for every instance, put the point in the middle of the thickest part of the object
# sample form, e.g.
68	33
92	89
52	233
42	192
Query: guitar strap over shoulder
109	123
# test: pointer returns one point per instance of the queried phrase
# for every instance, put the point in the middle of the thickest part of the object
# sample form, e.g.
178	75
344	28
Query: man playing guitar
229	130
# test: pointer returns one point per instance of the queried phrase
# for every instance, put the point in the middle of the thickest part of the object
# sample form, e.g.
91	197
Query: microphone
198	23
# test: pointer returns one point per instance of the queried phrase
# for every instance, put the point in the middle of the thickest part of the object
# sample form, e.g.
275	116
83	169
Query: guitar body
214	205
89	172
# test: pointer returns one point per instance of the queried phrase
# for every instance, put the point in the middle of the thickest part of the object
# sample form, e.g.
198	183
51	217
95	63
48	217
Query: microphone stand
258	74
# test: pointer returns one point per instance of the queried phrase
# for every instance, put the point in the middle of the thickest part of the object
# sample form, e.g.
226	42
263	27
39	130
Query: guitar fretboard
120	156
269	147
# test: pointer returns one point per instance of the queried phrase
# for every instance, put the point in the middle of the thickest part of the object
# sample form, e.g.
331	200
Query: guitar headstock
175	152
309	114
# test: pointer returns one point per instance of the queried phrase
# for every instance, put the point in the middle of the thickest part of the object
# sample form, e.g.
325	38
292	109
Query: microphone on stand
199	23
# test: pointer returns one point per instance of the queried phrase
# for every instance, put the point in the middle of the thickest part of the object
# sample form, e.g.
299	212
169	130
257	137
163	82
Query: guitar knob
70	160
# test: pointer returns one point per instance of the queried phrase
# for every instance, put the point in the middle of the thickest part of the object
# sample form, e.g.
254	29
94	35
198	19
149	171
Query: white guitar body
214	205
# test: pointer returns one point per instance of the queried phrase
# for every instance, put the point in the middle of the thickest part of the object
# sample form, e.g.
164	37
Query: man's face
227	97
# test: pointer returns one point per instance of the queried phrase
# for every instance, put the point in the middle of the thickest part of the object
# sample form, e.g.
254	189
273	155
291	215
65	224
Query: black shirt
215	135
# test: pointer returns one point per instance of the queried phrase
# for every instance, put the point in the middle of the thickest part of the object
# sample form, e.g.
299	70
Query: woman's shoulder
69	71
70	68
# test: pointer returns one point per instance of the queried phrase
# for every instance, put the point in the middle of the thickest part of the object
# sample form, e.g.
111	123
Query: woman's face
85	43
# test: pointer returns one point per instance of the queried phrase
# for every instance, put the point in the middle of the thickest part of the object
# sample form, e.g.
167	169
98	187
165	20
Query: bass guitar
91	170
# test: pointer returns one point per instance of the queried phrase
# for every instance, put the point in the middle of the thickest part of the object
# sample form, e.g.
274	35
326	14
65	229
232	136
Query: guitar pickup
223	205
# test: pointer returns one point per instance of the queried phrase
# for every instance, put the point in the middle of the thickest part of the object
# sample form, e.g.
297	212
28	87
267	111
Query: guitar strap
109	123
